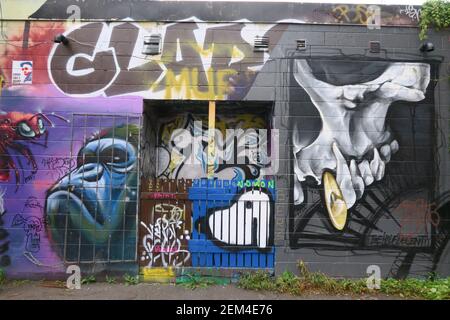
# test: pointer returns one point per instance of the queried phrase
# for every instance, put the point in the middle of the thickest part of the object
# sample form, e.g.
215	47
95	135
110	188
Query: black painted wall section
401	222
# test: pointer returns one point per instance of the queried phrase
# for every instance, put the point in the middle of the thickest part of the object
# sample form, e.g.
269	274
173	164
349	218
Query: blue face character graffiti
92	210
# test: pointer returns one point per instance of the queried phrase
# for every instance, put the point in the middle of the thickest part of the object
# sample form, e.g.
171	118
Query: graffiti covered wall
69	182
333	155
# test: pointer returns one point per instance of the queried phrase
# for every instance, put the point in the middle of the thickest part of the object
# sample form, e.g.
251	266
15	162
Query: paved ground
149	291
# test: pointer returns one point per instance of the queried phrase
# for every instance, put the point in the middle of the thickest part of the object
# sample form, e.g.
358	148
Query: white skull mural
354	144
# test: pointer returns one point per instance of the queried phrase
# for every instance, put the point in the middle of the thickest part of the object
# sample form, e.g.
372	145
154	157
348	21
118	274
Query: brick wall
359	156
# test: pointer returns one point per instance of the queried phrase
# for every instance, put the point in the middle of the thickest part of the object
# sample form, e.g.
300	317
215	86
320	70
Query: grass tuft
88	279
130	280
110	280
316	282
2	276
194	281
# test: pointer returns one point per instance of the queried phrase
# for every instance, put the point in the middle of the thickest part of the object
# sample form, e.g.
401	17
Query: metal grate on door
93	208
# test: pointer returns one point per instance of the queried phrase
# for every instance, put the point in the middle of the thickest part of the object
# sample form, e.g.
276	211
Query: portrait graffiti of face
99	197
27	71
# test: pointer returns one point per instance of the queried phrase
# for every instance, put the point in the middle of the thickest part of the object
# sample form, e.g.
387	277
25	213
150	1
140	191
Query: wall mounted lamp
60	38
427	47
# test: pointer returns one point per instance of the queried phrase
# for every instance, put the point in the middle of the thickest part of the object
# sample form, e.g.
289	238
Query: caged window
92	210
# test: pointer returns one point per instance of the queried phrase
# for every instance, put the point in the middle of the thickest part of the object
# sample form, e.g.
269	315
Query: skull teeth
353	176
366	173
357	180
298	192
377	166
394	146
344	178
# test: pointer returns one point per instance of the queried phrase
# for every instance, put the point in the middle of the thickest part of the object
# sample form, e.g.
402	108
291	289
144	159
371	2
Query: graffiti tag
352	13
399	240
210	76
58	166
162	243
411	12
160	195
32	226
269	184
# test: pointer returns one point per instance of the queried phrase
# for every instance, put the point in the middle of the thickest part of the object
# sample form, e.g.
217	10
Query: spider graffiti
16	127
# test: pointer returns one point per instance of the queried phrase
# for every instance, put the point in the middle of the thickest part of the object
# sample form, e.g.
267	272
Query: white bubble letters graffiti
238	147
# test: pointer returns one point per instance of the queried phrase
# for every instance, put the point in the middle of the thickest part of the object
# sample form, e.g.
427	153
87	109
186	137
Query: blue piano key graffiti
233	223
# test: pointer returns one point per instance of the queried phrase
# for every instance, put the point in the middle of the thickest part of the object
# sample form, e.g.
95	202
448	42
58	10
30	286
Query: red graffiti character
14	128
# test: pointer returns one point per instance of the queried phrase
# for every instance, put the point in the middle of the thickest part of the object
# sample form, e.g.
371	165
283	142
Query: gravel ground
38	290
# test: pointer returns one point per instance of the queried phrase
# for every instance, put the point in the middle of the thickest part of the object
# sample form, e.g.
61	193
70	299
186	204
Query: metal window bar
245	226
258	236
111	187
82	186
229	225
222	225
66	213
96	183
138	184
267	224
124	220
207	224
96	205
237	227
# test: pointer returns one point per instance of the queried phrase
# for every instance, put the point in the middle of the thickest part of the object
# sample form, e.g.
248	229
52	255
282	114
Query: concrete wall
349	167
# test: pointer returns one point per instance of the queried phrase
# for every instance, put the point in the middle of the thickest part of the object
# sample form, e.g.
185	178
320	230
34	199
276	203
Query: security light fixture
60	38
427	47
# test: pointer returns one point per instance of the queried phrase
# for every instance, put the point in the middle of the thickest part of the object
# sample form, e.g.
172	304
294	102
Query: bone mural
354	144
